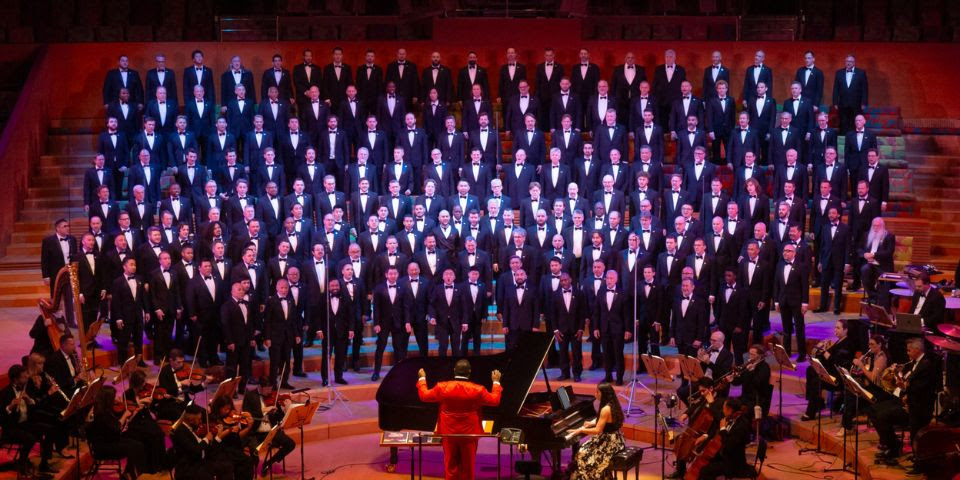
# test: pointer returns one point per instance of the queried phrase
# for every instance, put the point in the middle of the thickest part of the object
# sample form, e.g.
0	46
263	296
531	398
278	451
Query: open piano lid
399	404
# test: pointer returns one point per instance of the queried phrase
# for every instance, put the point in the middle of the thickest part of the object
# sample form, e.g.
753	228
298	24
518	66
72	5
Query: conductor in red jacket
461	402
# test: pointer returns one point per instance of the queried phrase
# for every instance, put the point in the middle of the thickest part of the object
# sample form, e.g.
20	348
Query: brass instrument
890	378
860	371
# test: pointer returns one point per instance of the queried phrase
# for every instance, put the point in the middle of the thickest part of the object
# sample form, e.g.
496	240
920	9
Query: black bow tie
603	97
761	97
687	298
208	277
448	287
131	278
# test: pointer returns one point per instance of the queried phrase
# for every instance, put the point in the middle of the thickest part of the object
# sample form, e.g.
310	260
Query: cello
685	443
710	450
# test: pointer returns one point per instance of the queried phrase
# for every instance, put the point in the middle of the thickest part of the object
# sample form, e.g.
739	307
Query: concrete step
936	144
63	169
947	203
56	191
939	215
52	160
16	300
32	204
75	144
27	249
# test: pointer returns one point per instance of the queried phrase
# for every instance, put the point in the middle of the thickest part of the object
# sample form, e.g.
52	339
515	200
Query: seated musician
868	370
169	379
50	401
734	432
928	302
255	402
40	334
592	460
831	353
144	425
238	446
918	382
109	437
16	425
64	366
715	361
706	399
194	447
460	402
876	257
755	381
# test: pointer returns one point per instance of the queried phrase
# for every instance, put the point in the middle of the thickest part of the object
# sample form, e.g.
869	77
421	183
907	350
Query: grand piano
545	424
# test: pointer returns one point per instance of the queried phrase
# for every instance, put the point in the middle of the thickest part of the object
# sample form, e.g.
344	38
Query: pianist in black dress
593	459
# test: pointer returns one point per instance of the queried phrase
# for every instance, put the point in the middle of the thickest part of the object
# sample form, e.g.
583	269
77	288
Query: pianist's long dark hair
608	397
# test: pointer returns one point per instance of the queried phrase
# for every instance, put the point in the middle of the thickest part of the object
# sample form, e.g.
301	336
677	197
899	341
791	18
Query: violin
243	419
194	375
149	390
280	399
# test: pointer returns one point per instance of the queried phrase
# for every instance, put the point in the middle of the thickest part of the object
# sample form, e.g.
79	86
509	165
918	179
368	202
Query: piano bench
626	459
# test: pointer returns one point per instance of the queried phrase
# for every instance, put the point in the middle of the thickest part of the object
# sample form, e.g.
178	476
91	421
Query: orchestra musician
176	379
917	384
195	443
460	402
593	458
238	445
715	360
868	369
755	381
734	432
17	425
266	408
143	424
705	399
108	436
831	353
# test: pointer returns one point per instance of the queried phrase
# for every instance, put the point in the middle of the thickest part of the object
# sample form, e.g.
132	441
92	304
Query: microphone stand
636	345
333	395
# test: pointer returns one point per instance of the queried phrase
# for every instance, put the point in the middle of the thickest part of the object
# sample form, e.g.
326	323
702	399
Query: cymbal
944	343
949	329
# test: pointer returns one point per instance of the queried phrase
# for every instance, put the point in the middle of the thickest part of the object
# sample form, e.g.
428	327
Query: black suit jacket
206	81
507	87
856	94
740	144
465	86
820	139
284	86
408	84
169	83
335	88
793	290
301	84
750	83
228	85
686	329
443	84
114	156
812	86
113	82
710	85
835	250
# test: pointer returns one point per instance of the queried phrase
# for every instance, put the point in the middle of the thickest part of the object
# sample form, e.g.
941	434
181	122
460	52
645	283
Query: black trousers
151	437
831	277
131	333
474	332
163	337
760	322
792	319
124	448
209	328
357	344
613	359
596	352
737	341
876	290
571	345
722	139
400	340
848	116
240	361
448	335
280	358
283	443
422	335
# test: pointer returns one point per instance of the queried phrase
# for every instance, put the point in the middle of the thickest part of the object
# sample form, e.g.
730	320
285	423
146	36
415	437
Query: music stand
329	343
657	368
690	370
823	376
297	417
226	388
859	392
125	370
877	315
783	360
636	343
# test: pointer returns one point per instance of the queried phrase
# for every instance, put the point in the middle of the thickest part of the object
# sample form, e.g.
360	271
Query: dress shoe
300	373
374	377
594	366
325	382
608	379
339	381
619	382
801	358
287	386
265	469
576	378
563	377
820	310
46	468
837	311
806	417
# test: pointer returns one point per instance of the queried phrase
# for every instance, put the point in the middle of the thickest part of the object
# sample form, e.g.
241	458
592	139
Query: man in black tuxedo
179	141
763	117
790	298
625	83
713	74
743	139
877	177
470	75
166	304
666	85
163	110
201	116
127	113
833	173
447	313
783	138
822	201
92	278
339	328
403	73
720	118
305	75
688	141
518	106
755	75
689	323
928	302
239	323
416	291
732	309
161	76
369	81
113	145
597	105
875	253
151	141
276	76
834	261
811	78
204	295
549	74
235	75
128	310
313	117
850	91
439	77
611	324
199	74
56	251
276	115
862	209
791	172
608	136
122	77
566	104
520	311
650	135
683	108
390	110
584	76
754	273
390	319
821	138
804	118
336	77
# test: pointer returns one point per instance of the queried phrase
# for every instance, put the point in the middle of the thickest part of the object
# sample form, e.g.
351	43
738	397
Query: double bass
710	450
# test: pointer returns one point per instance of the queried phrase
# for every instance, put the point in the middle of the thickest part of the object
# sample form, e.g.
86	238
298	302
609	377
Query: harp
67	282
